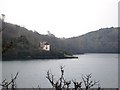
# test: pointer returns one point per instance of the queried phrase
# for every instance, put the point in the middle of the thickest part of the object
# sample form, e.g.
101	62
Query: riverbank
39	58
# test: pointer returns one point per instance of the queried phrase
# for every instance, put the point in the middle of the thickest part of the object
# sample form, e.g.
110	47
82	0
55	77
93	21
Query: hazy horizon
65	18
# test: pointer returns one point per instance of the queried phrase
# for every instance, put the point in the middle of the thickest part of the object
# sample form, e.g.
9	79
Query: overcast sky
64	18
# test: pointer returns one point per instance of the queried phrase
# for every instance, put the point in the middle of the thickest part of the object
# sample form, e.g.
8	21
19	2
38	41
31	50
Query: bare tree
88	82
77	85
61	83
5	84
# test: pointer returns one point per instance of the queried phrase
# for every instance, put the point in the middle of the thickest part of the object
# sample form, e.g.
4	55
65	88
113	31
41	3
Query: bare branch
87	82
50	77
61	83
6	84
77	85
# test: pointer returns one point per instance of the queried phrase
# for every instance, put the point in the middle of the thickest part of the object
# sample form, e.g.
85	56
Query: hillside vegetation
23	43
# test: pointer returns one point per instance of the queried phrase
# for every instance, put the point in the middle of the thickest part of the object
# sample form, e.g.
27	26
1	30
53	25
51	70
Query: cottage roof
46	43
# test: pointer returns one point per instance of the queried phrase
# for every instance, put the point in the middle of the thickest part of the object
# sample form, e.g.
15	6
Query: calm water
104	67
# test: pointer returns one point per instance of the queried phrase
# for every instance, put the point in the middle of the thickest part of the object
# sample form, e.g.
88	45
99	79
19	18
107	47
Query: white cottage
44	46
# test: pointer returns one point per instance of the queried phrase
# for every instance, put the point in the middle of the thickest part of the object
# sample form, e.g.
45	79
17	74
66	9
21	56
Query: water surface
104	67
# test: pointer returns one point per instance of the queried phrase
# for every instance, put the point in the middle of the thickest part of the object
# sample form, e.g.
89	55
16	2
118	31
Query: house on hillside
44	46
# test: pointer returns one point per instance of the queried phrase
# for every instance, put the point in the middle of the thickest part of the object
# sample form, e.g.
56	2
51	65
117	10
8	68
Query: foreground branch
5	85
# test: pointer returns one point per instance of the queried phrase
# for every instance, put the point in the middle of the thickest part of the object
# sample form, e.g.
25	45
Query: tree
3	23
88	82
77	85
3	17
5	84
61	83
7	47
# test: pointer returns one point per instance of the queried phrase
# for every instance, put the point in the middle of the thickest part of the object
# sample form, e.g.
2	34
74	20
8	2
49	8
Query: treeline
26	41
21	48
19	43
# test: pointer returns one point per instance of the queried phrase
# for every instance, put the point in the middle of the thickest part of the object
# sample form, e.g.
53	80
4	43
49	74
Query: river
104	68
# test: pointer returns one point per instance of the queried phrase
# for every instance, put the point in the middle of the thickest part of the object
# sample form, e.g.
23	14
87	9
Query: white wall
47	47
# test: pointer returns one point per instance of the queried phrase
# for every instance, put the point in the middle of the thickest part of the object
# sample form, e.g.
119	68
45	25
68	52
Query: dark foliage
20	43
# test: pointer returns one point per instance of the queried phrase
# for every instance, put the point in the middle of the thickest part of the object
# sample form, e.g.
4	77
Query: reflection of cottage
44	46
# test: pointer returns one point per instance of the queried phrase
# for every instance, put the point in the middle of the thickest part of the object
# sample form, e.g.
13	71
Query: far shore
26	59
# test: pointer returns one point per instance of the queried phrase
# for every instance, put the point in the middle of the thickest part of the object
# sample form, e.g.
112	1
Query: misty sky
64	18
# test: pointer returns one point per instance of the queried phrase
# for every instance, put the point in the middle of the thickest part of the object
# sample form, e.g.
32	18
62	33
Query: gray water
104	68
